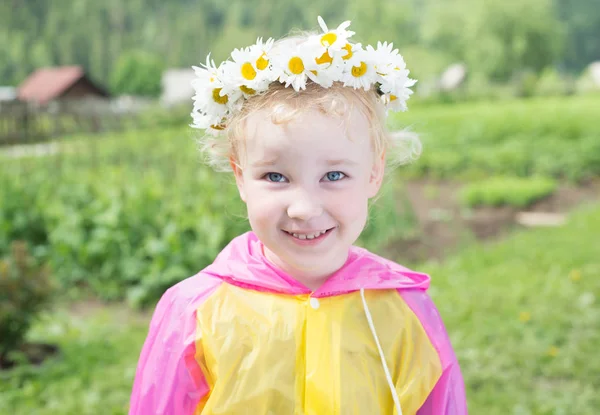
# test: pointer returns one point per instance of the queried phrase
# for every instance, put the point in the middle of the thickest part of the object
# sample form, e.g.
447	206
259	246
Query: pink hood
243	263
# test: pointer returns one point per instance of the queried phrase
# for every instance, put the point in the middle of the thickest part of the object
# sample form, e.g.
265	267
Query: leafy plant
25	290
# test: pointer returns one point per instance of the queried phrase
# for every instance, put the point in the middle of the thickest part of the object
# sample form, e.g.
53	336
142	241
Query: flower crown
324	59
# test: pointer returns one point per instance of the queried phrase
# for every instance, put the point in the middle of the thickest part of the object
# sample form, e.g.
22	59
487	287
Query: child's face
305	177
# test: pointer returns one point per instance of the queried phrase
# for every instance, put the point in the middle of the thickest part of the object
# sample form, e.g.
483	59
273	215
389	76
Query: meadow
121	217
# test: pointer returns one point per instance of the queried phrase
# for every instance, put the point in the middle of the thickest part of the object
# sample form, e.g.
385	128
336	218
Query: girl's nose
304	206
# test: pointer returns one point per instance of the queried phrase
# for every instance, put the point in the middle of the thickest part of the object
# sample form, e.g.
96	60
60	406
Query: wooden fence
22	122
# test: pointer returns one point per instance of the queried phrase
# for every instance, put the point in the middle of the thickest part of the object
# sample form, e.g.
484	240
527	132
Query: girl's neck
312	279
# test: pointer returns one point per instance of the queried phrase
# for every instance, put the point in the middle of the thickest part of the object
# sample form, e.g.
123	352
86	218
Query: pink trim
448	395
168	379
242	263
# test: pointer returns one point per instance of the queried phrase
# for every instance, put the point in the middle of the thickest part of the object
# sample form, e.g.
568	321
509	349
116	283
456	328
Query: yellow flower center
217	127
296	65
325	58
348	55
393	98
328	39
247	90
262	63
218	98
358	71
248	71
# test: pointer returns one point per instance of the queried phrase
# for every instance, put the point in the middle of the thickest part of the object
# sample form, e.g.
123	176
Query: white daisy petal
322	24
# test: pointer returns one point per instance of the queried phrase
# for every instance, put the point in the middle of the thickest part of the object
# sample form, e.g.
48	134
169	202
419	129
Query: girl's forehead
311	137
307	126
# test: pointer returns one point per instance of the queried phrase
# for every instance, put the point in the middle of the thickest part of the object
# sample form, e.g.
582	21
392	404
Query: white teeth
309	236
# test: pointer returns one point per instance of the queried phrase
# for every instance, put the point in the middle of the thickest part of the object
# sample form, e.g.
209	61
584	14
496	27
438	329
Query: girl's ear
377	174
239	178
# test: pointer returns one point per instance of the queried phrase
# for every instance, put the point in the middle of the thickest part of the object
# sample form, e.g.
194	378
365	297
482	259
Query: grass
552	137
523	315
92	375
513	191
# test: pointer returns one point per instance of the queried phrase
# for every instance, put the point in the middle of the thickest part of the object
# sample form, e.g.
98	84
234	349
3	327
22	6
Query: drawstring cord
385	367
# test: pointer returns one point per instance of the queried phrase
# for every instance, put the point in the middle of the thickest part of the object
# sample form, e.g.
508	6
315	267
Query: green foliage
551	83
551	137
495	37
137	73
512	191
25	290
386	222
127	217
582	20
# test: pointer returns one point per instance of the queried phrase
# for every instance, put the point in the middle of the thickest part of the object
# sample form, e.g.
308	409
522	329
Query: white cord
385	367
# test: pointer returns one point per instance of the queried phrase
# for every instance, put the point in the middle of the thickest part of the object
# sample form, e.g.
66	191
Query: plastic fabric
242	337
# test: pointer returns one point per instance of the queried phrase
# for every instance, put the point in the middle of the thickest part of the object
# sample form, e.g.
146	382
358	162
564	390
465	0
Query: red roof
46	84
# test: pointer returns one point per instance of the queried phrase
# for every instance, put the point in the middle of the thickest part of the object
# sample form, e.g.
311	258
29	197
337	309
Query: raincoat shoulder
168	379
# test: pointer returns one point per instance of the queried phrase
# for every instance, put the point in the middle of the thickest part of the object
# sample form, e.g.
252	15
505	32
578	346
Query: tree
137	73
497	37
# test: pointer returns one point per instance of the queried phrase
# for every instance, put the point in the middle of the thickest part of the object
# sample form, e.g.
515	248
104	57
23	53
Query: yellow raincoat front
242	337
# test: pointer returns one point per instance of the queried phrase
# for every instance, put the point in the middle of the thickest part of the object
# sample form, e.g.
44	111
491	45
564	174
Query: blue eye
334	176
275	177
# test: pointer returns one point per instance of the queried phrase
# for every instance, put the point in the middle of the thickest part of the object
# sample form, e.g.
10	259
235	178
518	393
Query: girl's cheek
348	202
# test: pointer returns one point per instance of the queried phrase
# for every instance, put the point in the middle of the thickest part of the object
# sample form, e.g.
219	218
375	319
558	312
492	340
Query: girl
291	318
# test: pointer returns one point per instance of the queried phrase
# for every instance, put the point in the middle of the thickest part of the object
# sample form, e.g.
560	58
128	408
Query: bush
512	191
124	218
25	290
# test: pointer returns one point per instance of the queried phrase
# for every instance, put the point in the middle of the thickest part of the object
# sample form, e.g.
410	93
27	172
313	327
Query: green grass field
523	315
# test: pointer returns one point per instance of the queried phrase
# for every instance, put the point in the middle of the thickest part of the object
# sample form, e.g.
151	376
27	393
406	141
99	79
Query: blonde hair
283	105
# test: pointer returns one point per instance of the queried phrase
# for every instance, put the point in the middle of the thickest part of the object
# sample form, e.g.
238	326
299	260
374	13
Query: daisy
211	103
203	120
392	102
386	58
206	77
250	71
329	70
359	70
396	87
395	98
294	67
390	67
336	39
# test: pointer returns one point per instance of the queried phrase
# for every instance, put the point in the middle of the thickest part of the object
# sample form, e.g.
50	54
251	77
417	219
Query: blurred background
105	202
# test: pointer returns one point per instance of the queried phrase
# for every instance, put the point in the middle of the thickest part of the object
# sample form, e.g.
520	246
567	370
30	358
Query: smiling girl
292	318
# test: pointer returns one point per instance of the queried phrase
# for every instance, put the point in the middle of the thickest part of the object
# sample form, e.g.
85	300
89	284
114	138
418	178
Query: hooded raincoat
242	337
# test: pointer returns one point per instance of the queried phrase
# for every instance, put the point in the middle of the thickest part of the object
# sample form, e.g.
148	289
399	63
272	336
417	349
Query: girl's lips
309	242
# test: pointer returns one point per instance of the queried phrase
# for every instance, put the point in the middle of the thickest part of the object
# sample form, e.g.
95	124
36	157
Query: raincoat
242	337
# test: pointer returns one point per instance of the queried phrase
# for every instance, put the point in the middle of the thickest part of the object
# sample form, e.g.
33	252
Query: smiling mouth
309	236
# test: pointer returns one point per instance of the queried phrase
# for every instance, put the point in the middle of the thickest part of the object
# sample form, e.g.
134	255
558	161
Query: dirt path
444	225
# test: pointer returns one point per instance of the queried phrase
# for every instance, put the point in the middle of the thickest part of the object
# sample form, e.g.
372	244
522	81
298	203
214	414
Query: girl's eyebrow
335	162
265	162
